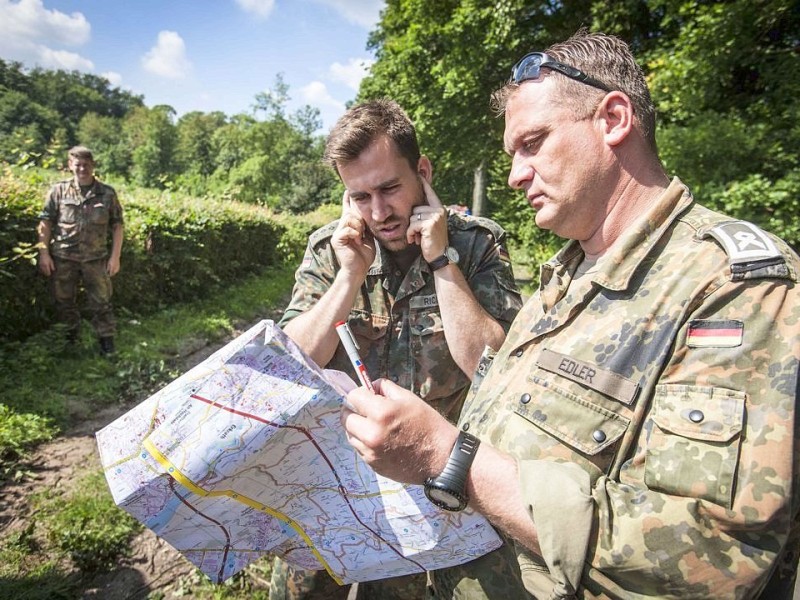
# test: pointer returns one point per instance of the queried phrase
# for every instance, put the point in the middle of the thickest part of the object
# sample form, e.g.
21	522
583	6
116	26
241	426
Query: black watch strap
450	256
439	262
454	475
449	490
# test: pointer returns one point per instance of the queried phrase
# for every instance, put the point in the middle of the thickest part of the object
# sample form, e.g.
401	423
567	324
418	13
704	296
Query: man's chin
394	245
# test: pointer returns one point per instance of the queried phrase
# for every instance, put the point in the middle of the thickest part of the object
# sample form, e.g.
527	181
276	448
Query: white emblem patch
744	242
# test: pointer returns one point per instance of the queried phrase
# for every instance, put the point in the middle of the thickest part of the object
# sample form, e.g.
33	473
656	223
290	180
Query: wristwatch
450	256
449	490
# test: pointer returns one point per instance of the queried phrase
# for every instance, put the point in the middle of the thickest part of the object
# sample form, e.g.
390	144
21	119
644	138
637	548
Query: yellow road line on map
173	471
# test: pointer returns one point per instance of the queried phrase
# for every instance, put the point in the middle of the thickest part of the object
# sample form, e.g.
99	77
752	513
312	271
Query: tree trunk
479	190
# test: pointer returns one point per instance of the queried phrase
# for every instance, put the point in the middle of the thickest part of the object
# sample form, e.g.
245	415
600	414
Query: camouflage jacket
651	409
80	224
396	317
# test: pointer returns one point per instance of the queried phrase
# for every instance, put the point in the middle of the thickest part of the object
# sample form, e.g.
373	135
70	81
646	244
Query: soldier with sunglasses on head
636	435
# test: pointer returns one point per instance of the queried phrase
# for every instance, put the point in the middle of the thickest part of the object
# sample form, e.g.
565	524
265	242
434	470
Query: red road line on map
221	572
310	438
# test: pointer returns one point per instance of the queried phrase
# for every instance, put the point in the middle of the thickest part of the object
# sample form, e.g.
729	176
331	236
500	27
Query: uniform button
397	273
395	378
518	353
465	427
696	416
599	436
525	398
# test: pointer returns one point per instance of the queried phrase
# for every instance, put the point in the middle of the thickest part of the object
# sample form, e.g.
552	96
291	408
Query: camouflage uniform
651	410
79	247
398	326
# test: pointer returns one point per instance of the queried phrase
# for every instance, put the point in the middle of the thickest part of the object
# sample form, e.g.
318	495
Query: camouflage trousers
290	583
64	286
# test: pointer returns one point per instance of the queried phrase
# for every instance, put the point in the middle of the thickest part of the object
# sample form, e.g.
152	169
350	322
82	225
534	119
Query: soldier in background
423	292
76	220
637	435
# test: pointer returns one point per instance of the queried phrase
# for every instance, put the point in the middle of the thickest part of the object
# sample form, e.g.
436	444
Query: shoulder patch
751	252
744	242
470	222
322	233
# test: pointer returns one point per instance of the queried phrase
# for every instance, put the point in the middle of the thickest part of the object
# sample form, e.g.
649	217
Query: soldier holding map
423	291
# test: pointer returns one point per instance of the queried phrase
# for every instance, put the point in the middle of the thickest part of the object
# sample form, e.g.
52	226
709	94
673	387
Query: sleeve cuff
562	511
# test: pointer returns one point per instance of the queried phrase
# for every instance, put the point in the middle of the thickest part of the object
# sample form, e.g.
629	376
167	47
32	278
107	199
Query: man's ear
616	111
425	168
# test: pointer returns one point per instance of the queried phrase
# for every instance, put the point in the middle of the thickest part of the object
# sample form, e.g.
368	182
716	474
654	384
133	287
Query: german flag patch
503	253
715	334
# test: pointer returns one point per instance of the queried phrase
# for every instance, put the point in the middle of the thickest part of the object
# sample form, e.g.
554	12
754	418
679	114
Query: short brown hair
362	124
81	152
606	58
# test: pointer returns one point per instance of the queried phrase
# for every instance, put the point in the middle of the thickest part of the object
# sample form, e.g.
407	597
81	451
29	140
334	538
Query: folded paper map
244	456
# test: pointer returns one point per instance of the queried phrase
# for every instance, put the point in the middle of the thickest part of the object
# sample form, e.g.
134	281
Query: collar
617	266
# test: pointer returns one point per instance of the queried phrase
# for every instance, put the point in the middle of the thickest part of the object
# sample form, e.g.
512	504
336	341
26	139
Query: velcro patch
715	334
602	380
307	259
503	253
744	242
417	302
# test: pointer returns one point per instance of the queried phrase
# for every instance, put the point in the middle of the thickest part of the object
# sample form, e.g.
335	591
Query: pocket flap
573	419
699	412
367	326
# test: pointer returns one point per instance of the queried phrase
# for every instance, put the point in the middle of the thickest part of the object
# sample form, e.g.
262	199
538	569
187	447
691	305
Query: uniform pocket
587	432
570	413
69	213
366	326
98	215
694	438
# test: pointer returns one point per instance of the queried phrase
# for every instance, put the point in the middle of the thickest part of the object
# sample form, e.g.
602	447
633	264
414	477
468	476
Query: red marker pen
350	346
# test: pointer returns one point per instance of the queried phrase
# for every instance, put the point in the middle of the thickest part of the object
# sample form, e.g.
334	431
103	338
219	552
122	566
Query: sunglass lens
527	68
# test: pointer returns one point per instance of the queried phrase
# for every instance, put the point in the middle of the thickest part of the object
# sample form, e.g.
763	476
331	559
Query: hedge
177	248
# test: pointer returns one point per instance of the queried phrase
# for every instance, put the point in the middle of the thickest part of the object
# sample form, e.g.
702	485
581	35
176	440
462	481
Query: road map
244	456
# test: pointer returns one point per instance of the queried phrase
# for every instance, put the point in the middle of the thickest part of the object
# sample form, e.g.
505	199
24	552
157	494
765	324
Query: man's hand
428	226
112	266
396	433
352	242
46	264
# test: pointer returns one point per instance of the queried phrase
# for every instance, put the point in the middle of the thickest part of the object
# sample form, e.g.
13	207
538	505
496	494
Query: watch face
452	254
446	499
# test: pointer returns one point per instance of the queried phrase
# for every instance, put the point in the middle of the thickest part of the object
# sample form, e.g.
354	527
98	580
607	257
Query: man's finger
430	195
345	203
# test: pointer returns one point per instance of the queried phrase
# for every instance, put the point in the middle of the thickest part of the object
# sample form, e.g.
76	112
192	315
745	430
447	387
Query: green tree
275	160
41	110
152	135
104	135
26	127
195	151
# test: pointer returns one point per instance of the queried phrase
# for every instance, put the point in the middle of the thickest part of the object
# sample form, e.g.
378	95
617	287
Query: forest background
214	200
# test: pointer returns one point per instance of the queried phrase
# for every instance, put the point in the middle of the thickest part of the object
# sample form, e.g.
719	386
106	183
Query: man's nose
380	209
520	173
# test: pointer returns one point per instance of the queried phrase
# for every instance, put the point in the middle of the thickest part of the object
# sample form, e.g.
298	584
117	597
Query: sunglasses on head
529	66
